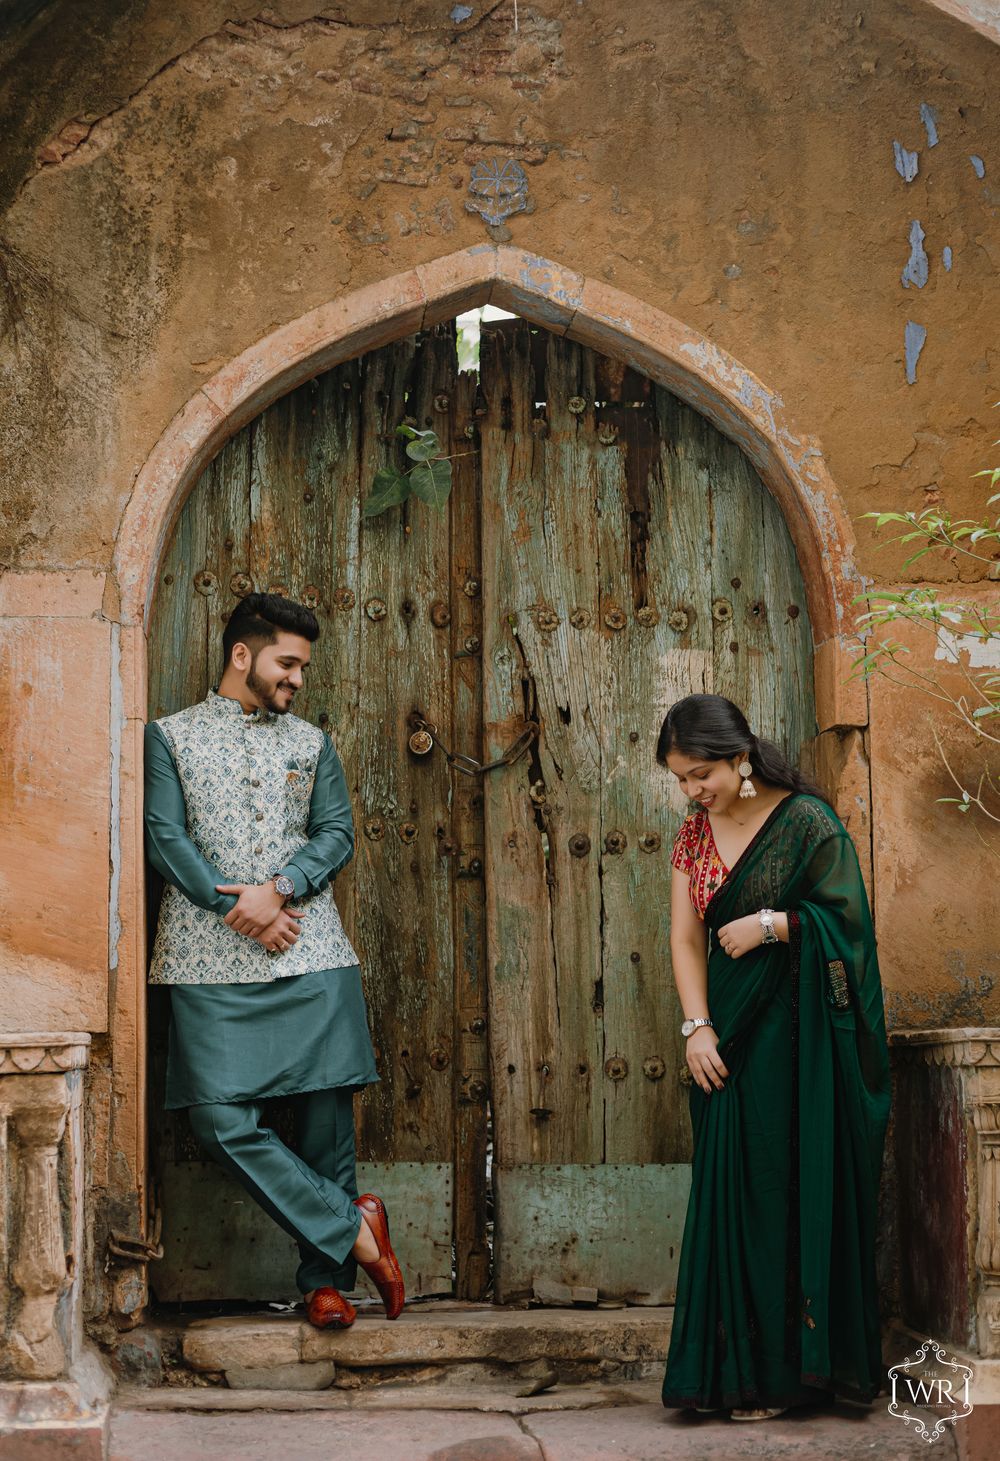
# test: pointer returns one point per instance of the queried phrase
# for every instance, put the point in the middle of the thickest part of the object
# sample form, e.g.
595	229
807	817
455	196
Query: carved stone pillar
49	1382
947	1110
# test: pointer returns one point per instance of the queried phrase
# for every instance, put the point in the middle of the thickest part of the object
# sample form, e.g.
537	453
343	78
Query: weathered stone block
317	1375
138	1359
244	1343
504	1336
554	1295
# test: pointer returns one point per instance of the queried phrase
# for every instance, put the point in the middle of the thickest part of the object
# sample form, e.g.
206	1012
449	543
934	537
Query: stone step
448	1393
286	1352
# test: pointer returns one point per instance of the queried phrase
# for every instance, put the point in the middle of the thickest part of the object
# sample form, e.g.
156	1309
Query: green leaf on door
422	448
431	482
389	488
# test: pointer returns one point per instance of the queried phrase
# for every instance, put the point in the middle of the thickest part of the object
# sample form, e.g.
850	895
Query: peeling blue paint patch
907	163
915	271
978	165
946	257
913	342
460	13
929	118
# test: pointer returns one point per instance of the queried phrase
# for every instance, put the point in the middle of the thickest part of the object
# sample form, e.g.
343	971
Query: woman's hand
704	1061
742	935
283	932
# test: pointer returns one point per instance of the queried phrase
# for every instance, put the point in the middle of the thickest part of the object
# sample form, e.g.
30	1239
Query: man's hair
259	618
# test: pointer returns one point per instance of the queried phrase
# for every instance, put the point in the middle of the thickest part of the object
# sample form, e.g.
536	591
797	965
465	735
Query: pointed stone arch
687	363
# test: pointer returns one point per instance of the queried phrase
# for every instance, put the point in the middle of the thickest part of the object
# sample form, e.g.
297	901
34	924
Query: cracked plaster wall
180	180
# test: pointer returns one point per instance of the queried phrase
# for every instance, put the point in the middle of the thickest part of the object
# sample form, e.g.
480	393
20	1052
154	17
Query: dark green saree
776	1292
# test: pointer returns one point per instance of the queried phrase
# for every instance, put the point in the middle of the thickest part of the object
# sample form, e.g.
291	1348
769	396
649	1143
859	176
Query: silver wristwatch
689	1026
766	916
284	885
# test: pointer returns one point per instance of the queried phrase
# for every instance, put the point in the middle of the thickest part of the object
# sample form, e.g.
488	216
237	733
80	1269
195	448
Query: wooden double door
604	551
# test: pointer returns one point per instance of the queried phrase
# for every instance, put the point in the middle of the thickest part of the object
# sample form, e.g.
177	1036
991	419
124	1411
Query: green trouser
309	1195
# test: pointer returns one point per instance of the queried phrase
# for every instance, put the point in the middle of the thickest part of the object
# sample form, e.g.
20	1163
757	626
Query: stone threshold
480	1345
446	1394
434	1334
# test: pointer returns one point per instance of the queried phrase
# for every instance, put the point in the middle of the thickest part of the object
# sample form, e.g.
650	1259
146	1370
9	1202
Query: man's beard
266	692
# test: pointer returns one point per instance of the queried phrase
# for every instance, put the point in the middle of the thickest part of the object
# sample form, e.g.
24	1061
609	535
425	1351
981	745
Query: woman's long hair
713	728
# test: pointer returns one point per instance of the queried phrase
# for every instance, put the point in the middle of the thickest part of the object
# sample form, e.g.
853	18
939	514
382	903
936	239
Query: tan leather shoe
328	1309
384	1271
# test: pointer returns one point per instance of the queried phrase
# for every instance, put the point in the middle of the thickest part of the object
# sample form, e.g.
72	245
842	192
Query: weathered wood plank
403	888
227	546
762	655
305	500
180	619
464	849
643	501
543	813
793	711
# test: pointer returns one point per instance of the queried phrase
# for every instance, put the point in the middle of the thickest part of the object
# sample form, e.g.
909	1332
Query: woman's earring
747	789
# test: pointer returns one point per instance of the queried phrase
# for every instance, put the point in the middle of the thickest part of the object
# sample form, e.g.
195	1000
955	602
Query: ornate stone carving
499	187
40	1054
33	1347
41	1223
965	1047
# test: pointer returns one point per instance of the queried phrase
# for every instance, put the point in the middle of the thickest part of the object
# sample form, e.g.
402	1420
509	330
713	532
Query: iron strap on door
425	737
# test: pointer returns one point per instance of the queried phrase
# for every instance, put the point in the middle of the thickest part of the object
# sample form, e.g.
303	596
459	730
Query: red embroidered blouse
696	854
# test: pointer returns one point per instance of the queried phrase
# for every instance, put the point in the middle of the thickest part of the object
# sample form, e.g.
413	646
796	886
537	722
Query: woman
774	959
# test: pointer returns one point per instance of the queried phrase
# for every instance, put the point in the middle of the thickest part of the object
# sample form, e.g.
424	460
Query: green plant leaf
422	448
389	489
410	432
431	482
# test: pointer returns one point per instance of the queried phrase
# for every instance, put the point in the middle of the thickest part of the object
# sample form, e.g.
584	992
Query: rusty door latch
126	1249
424	737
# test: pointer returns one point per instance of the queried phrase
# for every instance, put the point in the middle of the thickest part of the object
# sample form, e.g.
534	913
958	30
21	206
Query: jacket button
260	816
255	781
258	849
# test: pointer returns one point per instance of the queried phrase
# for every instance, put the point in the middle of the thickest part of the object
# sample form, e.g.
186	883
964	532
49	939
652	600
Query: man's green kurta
247	1040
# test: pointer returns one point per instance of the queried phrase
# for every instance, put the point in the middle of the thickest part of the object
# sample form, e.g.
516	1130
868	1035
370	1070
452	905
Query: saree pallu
777	1298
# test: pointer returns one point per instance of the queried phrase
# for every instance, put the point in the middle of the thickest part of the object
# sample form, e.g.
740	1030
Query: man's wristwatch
766	916
284	885
689	1026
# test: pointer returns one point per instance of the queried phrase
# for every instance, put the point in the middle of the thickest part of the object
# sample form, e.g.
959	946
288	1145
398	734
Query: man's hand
283	932
258	906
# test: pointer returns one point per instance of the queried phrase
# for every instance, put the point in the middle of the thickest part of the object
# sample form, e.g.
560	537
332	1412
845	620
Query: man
248	820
